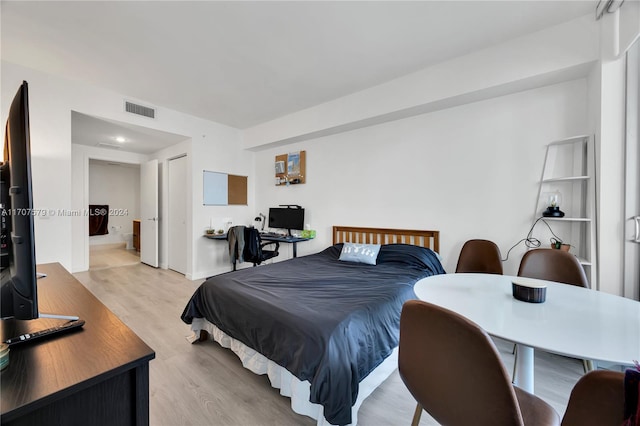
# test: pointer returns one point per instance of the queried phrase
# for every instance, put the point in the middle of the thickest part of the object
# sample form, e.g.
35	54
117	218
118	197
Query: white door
177	219
149	213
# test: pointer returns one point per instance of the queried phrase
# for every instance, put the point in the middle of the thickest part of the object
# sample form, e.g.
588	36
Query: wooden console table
97	375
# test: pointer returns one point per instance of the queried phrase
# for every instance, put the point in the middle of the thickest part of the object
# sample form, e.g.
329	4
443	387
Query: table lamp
261	219
554	206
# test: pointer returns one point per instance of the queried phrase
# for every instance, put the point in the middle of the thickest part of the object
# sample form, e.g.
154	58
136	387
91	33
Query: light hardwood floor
109	255
204	384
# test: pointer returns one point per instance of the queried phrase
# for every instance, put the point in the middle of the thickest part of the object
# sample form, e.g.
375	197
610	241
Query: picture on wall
290	168
293	164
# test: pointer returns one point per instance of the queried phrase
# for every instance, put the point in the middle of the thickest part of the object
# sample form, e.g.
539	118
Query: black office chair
254	247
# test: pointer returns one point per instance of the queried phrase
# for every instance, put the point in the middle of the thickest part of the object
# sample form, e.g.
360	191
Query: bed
324	330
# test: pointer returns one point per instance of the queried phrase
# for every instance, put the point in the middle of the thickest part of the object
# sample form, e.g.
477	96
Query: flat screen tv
286	218
19	281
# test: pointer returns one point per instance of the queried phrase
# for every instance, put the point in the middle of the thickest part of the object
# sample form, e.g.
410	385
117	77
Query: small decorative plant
558	244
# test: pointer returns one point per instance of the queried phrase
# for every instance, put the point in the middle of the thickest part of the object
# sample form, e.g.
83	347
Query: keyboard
273	234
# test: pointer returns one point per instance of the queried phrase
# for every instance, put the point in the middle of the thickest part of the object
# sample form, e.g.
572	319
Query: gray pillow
361	253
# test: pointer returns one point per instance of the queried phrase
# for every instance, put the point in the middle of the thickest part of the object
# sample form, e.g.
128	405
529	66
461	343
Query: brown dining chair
554	265
453	369
597	399
480	256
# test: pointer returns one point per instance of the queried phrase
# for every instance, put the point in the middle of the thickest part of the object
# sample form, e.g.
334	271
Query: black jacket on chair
254	247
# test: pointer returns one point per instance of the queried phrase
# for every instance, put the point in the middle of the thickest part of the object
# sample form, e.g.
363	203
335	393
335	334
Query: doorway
95	138
116	186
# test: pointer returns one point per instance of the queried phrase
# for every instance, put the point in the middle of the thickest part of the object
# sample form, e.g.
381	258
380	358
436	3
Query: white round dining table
572	321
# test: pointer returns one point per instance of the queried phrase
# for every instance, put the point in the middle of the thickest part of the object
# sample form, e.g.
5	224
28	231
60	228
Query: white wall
209	256
50	161
117	186
607	101
582	48
470	172
469	161
52	98
338	167
610	171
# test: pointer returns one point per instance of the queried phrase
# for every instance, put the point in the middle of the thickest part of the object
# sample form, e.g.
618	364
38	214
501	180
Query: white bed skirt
288	384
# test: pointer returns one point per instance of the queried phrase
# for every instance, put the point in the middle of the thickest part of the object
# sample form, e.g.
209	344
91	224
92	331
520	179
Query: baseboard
209	273
109	246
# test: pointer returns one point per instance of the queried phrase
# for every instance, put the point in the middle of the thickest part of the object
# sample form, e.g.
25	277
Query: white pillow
361	253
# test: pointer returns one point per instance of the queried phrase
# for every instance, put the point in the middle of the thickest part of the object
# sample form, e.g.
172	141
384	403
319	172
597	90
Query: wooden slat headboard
350	234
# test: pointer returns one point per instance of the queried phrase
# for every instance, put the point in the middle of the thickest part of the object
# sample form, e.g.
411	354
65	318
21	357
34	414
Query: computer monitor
286	218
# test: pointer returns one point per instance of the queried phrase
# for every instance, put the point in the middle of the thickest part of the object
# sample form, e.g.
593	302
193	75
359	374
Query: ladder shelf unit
568	173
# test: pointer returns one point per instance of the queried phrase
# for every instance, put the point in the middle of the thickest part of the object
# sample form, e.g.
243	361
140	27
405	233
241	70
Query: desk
573	321
288	240
268	237
98	375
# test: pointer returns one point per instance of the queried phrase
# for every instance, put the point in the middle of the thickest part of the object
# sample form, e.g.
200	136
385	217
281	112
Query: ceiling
110	134
242	63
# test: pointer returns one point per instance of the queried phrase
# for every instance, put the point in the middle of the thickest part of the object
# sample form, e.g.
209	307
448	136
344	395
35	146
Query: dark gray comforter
326	321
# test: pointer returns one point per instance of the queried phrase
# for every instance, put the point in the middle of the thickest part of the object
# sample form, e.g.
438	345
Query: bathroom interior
116	187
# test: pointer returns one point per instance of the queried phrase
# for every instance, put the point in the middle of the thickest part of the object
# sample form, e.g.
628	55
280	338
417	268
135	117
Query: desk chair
254	247
554	265
454	371
480	256
245	245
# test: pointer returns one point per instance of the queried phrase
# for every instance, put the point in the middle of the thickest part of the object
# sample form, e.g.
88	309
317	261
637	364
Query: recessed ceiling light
120	139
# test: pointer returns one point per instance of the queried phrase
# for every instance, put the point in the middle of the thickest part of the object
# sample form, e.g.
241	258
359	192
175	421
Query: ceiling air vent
139	109
109	145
